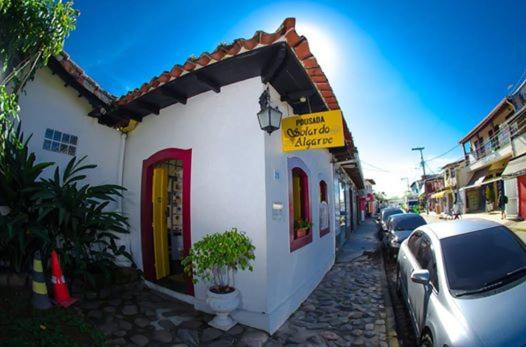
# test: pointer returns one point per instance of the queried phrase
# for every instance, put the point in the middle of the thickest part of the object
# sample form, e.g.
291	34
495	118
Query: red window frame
324	196
296	165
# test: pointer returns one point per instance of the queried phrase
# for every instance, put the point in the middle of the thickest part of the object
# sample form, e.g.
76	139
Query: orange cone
60	289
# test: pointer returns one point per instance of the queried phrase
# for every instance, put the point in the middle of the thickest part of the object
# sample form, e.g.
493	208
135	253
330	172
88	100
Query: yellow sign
312	131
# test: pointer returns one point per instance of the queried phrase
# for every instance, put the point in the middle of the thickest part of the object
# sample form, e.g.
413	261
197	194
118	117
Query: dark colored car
399	227
386	213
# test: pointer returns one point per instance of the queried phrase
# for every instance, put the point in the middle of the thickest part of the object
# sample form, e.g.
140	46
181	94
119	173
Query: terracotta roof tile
319	80
302	50
203	60
292	38
310	63
76	72
176	71
286	32
251	44
326	93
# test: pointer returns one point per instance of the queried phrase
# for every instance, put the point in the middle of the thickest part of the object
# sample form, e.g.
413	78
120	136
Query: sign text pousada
312	131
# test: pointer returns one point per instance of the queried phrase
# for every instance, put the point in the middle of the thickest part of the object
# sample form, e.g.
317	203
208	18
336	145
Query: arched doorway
165	217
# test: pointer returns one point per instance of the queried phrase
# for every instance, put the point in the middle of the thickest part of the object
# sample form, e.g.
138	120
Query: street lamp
269	117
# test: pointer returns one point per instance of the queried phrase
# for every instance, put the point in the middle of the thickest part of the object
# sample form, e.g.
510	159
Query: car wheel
426	341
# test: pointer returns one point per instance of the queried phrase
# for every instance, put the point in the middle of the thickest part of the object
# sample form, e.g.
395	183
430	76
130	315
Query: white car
464	284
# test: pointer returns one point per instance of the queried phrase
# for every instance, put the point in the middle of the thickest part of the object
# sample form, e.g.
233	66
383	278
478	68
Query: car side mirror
420	276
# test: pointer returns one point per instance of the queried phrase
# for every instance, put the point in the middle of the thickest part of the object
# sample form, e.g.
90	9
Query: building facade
189	150
487	148
514	175
491	150
454	176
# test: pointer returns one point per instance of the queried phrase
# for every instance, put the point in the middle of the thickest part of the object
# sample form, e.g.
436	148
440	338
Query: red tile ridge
285	33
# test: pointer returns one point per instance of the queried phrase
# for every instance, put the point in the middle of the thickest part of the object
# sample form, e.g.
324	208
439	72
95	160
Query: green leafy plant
30	33
217	257
21	233
489	194
82	227
302	224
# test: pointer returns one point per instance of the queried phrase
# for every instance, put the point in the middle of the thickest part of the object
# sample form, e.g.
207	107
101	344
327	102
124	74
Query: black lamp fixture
269	117
4	208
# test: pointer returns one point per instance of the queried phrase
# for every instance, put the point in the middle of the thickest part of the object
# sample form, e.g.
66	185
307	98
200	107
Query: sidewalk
348	308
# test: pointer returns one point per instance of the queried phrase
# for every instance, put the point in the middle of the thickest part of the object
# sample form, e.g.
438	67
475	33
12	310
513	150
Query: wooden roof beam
148	106
275	66
132	113
296	96
207	81
172	93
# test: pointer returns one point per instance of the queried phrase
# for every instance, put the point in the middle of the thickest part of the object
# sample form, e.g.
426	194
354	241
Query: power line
443	154
374	166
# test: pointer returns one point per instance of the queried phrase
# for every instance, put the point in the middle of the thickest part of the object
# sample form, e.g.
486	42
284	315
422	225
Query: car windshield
483	259
389	213
409	223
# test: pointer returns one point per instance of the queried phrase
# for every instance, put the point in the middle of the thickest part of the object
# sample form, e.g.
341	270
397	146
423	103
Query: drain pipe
124	240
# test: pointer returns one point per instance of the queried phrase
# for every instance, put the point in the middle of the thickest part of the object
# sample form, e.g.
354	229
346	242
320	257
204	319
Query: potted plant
216	258
301	227
490	198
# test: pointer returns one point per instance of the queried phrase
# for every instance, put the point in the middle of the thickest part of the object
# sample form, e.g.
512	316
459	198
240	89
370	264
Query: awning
482	183
441	194
515	167
478	177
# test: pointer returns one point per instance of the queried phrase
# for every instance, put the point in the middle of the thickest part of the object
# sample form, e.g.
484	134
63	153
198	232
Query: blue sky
406	73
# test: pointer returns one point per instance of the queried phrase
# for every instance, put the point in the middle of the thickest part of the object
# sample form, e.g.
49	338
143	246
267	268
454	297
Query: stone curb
392	336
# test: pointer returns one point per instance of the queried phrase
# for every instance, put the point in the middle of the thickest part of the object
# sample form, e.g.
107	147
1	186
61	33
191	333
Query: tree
31	32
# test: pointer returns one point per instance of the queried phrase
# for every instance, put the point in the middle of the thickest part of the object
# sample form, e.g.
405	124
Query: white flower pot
223	304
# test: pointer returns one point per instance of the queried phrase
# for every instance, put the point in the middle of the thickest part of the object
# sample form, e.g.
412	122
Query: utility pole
422	161
406	180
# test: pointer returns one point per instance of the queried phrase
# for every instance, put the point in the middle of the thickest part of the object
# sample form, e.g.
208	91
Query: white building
190	144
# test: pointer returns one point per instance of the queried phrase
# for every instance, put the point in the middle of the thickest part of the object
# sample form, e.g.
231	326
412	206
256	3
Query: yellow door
160	231
296	197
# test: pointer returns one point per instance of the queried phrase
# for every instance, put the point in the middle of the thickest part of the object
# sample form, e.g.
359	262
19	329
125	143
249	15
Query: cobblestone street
346	309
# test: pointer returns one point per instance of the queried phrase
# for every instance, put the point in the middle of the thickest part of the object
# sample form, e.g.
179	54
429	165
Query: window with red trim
300	214
324	209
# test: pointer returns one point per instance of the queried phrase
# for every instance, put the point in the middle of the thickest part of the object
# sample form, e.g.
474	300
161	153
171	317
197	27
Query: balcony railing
500	142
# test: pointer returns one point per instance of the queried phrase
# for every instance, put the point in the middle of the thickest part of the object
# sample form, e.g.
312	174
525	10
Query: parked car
399	227
464	284
386	213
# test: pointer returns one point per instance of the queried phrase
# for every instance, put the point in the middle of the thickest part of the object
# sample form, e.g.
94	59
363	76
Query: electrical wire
374	166
443	154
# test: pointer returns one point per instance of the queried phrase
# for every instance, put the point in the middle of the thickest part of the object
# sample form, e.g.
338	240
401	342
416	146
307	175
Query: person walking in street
457	208
503	200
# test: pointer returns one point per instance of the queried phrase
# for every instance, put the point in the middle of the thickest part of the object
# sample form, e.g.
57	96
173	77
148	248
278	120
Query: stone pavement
346	309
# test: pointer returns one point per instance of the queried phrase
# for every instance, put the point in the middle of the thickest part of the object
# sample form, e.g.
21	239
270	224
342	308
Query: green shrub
216	257
59	213
82	229
21	233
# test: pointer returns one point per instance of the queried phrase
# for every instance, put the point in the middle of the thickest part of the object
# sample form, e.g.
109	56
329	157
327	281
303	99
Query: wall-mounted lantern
4	209
269	117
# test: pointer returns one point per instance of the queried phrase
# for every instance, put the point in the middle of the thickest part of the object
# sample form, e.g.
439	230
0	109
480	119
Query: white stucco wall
47	103
228	175
233	183
293	275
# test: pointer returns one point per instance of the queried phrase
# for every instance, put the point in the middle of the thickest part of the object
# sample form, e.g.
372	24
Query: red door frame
521	183
293	163
185	156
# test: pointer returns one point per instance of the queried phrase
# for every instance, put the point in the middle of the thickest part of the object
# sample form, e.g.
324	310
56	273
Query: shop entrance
166	218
